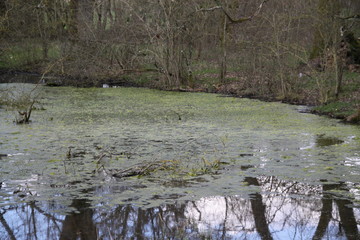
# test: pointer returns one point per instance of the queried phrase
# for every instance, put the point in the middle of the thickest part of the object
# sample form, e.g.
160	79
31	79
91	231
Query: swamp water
244	169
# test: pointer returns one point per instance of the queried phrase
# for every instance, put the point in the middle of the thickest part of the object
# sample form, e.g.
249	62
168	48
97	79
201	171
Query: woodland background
305	52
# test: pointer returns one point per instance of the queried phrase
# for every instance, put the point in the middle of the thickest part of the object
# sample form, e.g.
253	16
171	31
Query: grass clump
338	110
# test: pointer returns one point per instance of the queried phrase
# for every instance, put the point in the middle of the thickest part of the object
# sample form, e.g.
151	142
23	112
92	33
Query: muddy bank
58	81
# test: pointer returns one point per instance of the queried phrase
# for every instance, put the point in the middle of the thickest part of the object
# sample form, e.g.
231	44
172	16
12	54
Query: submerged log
143	169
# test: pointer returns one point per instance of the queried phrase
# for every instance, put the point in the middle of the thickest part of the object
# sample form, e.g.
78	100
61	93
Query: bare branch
354	17
259	8
209	9
243	19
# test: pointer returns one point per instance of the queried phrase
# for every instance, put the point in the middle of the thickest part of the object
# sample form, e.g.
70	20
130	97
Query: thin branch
356	17
209	9
140	70
48	69
242	19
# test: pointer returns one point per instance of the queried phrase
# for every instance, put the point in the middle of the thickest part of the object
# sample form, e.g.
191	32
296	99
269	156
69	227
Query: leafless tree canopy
262	46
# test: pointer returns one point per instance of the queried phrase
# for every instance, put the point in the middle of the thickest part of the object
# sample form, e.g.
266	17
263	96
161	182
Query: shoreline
226	90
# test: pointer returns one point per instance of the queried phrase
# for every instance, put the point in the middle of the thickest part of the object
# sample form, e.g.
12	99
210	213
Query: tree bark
223	50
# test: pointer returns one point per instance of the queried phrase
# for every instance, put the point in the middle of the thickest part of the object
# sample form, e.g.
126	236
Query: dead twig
228	15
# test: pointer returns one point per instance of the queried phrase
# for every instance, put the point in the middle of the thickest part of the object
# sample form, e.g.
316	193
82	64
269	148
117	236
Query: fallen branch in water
143	169
203	166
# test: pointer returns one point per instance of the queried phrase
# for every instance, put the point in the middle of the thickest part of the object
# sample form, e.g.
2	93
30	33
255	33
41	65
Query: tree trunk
326	12
223	66
2	8
339	68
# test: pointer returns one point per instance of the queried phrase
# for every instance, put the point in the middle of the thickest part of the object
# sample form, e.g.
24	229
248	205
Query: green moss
336	109
352	83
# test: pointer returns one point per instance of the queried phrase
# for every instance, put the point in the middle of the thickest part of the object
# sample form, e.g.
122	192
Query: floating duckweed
136	125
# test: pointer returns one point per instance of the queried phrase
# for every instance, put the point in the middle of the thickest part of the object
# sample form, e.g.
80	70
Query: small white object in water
105	85
17	154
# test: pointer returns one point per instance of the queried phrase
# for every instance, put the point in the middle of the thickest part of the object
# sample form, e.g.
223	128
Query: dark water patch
246	167
166	197
324	141
178	183
246	154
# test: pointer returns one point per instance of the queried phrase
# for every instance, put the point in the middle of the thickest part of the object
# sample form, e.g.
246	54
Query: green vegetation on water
215	141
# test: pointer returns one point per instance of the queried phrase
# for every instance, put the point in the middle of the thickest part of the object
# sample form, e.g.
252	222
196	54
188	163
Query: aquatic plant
206	167
178	168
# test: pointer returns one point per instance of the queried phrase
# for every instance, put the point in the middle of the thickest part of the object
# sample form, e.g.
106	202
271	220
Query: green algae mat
210	151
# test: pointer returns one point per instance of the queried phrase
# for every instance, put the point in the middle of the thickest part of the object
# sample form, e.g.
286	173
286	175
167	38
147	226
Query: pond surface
241	169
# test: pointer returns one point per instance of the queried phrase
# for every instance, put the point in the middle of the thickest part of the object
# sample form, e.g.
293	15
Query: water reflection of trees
347	221
80	224
29	221
124	222
275	212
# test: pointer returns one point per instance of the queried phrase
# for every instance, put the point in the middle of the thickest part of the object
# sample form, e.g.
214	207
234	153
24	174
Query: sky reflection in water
261	216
